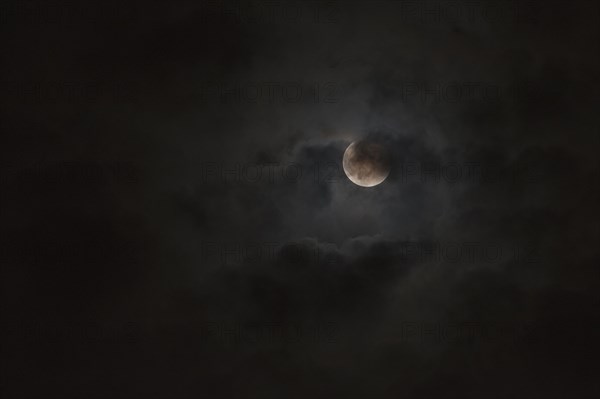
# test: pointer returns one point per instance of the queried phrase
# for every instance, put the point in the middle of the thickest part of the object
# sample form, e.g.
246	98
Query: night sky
176	221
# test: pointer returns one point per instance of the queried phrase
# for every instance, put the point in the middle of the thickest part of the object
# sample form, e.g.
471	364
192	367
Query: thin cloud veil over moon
366	164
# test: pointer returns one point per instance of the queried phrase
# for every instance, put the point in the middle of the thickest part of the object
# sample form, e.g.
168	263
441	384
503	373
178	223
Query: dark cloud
176	221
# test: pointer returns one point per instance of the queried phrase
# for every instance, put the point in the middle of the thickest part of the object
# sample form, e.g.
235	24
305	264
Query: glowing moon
366	164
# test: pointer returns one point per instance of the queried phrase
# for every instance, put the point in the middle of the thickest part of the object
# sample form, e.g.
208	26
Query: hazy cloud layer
174	181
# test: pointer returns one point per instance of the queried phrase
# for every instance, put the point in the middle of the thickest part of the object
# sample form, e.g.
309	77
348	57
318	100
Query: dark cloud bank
176	223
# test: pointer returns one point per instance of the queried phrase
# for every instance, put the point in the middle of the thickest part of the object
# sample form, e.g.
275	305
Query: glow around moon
366	164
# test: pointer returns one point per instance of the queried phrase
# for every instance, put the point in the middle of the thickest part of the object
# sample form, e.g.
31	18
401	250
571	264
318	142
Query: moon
366	164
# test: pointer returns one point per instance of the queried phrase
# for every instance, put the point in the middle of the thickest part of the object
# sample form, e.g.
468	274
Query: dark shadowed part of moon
366	164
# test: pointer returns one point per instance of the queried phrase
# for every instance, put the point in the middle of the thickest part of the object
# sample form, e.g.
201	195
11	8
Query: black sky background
176	223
